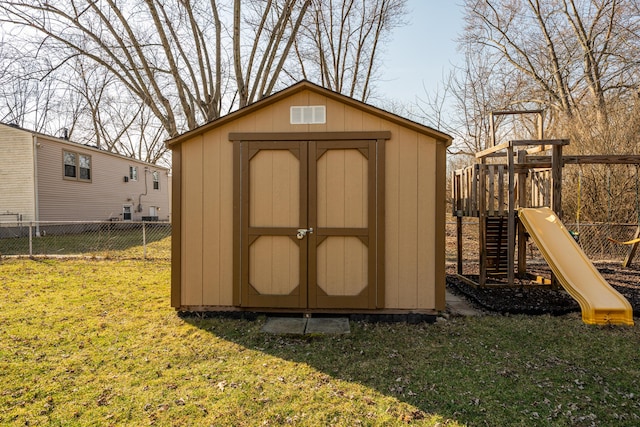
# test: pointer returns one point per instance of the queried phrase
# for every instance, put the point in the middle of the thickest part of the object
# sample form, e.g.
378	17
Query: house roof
306	85
77	144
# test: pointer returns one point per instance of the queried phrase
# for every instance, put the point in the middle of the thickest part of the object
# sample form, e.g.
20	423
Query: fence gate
310	223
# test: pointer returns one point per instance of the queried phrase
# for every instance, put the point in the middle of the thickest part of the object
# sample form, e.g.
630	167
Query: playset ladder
496	245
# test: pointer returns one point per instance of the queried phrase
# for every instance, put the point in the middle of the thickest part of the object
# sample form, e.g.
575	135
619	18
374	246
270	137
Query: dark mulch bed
528	299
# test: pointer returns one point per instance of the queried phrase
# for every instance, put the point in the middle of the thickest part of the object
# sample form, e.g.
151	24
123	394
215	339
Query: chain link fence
592	238
152	240
126	240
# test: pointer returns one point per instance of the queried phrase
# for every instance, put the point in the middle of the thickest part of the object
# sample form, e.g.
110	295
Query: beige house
43	178
309	201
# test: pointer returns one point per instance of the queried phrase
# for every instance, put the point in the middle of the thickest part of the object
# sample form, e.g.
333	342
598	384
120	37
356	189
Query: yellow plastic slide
600	303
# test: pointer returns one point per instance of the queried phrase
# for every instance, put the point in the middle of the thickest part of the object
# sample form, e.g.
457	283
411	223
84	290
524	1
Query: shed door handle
303	232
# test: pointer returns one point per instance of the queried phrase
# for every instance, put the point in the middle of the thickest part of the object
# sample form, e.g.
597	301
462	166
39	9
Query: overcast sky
421	52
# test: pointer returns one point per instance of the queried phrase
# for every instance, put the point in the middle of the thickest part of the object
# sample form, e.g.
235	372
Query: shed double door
310	223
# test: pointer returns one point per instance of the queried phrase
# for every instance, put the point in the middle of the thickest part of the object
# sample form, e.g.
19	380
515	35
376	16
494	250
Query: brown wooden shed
309	201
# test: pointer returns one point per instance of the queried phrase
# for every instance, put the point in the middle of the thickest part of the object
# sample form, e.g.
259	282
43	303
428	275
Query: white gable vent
308	115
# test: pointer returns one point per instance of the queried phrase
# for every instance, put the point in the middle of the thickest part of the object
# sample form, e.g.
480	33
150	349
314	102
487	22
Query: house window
85	167
126	213
156	180
69	165
77	166
133	173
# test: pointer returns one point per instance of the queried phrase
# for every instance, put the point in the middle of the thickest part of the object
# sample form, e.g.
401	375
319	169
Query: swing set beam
594	159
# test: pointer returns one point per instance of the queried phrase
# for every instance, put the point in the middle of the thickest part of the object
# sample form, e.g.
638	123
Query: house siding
102	198
32	183
16	175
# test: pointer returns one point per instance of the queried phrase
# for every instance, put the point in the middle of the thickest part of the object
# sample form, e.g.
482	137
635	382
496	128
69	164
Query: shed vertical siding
411	227
217	205
207	211
407	279
213	206
192	224
17	194
426	230
392	219
177	284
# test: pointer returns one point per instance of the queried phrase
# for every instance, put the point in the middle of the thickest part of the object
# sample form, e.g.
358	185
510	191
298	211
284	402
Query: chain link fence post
144	240
31	239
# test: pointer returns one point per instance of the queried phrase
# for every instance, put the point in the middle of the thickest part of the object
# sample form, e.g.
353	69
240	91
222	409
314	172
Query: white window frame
69	154
80	168
76	165
133	173
156	180
124	212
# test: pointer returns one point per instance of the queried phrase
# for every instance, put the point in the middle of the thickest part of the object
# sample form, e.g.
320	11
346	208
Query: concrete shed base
303	325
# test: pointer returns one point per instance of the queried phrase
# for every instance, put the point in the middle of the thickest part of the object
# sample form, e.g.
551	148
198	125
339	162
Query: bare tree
114	120
134	68
572	53
174	66
177	66
273	29
22	93
341	42
577	59
43	103
462	103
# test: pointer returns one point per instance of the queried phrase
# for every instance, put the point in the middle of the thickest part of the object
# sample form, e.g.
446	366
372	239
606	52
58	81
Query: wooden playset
515	191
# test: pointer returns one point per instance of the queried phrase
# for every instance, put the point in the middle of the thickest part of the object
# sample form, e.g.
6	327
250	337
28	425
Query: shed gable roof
306	85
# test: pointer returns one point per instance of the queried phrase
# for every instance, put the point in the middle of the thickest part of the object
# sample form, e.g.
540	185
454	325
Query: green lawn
87	342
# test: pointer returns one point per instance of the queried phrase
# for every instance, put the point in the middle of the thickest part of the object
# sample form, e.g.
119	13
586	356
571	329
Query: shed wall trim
176	233
380	217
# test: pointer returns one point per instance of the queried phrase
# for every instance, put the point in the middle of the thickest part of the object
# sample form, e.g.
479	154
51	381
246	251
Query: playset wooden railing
507	177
